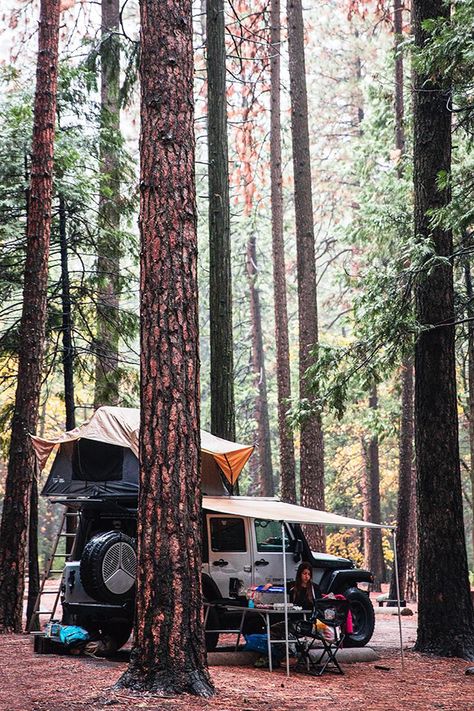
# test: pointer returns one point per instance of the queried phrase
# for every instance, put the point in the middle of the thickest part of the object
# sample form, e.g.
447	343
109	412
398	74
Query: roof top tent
100	458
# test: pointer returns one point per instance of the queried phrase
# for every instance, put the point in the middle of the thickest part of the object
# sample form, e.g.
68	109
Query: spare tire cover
109	567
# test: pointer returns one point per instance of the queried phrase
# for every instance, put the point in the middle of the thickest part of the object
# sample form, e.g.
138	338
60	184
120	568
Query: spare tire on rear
109	567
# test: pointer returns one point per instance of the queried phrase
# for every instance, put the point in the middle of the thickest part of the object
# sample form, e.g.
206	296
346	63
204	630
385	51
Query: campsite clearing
53	683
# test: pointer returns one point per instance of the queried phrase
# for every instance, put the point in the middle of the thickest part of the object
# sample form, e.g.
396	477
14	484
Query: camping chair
316	660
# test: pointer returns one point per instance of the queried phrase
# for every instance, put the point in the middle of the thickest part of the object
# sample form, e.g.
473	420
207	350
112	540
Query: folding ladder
50	569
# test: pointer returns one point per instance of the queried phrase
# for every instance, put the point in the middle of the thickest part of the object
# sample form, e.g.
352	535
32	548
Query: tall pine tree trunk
108	247
287	448
406	513
169	650
311	440
446	616
67	350
406	505
220	269
14	527
470	360
33	564
370	489
264	450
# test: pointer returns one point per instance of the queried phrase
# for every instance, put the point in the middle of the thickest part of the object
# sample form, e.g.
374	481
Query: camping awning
120	426
273	510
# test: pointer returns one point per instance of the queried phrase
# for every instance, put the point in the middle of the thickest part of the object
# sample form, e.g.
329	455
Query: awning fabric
274	510
120	426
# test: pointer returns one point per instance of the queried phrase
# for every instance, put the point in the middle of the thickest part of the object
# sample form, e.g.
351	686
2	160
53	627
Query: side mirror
297	553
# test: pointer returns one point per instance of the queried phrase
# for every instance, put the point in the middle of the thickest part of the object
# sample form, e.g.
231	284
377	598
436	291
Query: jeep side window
268	536
228	534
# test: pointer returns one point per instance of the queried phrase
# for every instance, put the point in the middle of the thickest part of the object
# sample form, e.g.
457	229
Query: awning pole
397	584
285	598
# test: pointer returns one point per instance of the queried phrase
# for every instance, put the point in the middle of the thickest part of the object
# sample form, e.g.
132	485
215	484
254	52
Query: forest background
362	206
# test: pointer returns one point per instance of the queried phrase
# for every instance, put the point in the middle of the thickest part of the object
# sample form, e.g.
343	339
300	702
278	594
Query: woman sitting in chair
303	592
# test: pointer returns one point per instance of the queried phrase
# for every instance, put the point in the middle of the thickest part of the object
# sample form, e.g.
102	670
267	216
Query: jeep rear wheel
363	618
109	567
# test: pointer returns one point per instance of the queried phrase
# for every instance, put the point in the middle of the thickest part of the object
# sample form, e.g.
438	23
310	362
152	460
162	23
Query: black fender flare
336	581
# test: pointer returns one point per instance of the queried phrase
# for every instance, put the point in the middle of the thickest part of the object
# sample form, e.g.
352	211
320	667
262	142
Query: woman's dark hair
298	585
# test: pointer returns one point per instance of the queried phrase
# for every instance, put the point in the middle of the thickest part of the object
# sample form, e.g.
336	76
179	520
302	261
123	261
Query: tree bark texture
109	243
311	440
220	268
33	565
264	449
68	349
446	617
287	447
470	360
375	553
14	526
169	651
406	505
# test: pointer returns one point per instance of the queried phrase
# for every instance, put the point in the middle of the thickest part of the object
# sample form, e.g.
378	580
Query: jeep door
267	556
229	552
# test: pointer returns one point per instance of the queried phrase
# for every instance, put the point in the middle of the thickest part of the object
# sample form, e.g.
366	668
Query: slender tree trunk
220	269
365	492
311	441
411	590
406	505
68	350
446	616
169	650
376	559
287	448
33	565
406	513
108	247
470	358
14	527
266	485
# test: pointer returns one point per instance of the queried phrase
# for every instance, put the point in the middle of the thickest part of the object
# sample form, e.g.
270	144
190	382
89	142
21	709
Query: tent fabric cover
120	426
274	510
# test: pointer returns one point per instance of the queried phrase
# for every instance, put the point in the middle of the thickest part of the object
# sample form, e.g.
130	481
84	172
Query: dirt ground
30	682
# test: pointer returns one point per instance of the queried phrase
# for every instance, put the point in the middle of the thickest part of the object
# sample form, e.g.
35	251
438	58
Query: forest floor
30	682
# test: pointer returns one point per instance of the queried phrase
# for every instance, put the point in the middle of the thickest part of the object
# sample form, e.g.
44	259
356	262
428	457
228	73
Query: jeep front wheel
363	618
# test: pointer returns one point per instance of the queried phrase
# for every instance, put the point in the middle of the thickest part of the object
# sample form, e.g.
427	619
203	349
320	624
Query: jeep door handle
262	562
221	563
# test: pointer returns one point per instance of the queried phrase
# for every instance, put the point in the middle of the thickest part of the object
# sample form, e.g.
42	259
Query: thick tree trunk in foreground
169	651
220	269
287	447
264	450
446	616
108	246
14	527
311	447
